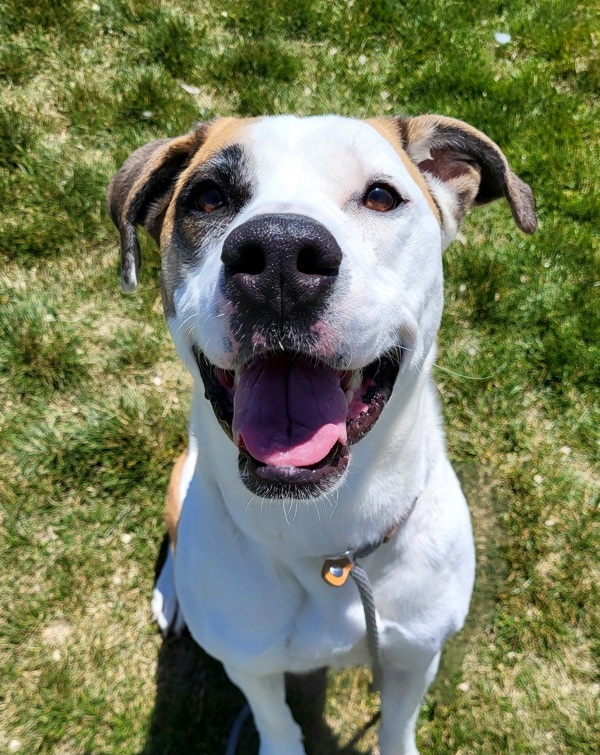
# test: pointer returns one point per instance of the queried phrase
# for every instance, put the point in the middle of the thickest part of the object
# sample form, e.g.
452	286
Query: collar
336	569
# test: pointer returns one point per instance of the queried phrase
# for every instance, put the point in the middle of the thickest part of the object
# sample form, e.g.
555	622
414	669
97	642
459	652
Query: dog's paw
165	606
166	613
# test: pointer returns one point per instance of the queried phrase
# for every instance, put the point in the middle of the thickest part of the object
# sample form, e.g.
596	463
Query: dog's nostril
249	260
312	261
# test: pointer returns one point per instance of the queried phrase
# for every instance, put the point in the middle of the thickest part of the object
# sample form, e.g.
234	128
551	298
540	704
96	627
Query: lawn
93	401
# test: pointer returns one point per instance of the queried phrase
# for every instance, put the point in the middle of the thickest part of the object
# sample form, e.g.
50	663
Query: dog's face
301	270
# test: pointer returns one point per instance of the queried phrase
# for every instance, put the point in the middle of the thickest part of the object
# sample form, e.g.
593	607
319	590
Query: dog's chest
274	625
248	609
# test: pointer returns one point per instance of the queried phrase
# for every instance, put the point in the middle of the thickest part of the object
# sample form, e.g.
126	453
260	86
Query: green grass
94	402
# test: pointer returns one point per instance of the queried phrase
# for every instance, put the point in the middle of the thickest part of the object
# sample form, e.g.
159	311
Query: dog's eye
209	198
381	198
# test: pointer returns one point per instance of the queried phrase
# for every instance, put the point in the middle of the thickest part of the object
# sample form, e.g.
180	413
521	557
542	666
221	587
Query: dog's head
301	269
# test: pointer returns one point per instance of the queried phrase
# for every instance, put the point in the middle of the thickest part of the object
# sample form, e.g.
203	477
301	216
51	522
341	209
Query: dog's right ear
140	193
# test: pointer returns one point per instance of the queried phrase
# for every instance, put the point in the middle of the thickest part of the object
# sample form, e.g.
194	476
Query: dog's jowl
302	284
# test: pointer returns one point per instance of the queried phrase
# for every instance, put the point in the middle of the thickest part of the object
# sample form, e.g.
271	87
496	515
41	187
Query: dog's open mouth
293	417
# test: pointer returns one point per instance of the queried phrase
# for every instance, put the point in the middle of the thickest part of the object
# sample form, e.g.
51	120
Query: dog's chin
366	393
285	482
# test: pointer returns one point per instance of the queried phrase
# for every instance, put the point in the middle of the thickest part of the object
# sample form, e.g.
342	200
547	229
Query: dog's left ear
469	164
140	193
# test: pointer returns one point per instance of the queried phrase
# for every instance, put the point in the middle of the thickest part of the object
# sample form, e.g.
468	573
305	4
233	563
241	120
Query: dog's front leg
401	696
279	733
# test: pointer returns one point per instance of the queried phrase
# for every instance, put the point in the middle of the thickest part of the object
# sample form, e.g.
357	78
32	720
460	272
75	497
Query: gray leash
336	571
236	729
361	580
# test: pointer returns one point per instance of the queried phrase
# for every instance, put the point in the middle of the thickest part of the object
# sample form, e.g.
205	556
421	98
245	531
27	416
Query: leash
335	571
236	729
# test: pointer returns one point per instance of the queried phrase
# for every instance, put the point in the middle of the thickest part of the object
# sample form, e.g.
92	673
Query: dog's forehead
330	150
338	148
332	146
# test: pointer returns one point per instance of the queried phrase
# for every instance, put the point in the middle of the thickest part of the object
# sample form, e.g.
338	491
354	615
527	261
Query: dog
302	285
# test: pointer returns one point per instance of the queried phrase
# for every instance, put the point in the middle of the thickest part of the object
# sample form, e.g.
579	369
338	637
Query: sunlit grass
94	402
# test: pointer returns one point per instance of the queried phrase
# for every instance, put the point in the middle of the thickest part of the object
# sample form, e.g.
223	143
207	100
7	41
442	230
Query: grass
94	402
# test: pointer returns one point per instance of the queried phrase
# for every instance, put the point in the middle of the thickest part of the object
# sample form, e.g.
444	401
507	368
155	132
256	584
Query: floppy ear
468	164
141	191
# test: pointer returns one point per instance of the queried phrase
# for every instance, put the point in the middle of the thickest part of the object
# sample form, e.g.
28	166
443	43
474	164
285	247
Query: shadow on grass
196	705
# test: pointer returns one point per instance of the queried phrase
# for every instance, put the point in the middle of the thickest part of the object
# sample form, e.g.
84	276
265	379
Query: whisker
460	375
248	504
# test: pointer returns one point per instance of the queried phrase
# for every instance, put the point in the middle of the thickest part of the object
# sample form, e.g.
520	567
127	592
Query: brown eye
209	198
381	198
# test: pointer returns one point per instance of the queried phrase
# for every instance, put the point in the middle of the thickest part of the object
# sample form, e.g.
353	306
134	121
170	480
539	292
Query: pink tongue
289	413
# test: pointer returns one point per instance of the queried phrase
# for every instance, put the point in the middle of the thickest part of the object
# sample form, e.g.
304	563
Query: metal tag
336	570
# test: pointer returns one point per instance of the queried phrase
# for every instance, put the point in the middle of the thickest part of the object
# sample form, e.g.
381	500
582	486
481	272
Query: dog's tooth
349	396
237	374
356	380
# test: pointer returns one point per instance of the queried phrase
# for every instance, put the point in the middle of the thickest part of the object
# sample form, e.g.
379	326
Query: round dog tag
336	570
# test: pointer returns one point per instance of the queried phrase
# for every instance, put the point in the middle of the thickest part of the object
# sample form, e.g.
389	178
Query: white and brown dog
302	284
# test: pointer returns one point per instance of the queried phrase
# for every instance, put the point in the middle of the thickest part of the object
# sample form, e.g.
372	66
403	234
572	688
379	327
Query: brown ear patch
461	173
140	193
448	165
120	186
469	163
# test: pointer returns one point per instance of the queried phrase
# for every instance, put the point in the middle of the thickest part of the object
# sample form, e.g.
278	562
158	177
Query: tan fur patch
167	228
465	187
389	130
173	502
221	133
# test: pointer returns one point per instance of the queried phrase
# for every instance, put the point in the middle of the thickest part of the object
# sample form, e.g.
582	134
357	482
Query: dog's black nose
281	264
